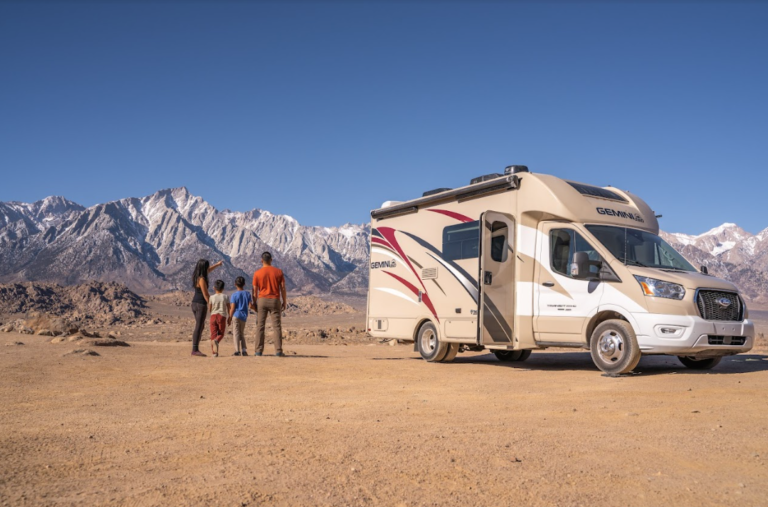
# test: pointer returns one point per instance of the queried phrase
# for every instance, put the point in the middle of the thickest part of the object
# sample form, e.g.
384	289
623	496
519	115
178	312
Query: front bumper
687	335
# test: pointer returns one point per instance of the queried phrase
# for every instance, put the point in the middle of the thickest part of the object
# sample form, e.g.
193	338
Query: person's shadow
649	365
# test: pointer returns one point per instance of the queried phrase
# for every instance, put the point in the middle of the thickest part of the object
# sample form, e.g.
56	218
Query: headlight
660	288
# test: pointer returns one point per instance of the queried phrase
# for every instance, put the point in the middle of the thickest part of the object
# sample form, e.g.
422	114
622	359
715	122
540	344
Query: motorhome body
521	261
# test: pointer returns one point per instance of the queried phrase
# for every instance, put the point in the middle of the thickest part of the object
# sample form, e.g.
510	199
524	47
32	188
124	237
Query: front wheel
700	364
614	347
429	345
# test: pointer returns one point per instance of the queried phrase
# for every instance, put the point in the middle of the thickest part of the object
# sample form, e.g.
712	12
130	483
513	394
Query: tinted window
499	242
461	241
563	243
591	191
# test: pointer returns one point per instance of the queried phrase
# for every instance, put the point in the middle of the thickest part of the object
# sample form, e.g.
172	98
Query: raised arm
214	266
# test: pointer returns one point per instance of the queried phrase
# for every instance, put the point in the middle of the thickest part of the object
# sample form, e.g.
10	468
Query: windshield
639	248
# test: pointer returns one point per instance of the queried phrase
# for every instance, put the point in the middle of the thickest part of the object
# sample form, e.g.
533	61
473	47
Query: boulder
81	352
106	342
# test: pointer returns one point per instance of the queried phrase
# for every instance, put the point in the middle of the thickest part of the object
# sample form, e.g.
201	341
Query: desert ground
346	420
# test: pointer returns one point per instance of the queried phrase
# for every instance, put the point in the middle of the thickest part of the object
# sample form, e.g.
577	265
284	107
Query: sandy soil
371	425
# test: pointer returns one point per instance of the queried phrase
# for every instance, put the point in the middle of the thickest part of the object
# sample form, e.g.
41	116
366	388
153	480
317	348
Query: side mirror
704	270
580	265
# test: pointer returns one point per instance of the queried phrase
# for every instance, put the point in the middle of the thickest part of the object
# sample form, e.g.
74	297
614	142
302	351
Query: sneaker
280	354
216	355
236	353
257	354
245	352
197	353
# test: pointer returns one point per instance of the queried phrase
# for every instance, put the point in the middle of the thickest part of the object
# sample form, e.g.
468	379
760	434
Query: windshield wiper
634	263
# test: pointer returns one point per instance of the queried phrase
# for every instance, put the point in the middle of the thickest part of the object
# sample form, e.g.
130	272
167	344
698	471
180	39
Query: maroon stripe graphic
453	214
380	241
424	297
389	235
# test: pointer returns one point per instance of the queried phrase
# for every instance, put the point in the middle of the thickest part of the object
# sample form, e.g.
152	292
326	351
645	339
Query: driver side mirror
580	266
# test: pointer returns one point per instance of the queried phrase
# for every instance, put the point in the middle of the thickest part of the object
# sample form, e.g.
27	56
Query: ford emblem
724	302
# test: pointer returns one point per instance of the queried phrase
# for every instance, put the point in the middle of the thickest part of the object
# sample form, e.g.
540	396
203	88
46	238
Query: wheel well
418	328
599	319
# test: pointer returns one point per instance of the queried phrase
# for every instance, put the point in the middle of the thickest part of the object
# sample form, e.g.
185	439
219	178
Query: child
238	310
218	305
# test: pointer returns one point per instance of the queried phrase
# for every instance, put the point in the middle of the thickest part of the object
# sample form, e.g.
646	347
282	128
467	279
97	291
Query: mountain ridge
150	242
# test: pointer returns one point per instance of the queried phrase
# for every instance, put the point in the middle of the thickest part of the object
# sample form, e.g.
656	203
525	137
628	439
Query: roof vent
435	191
514	169
485	177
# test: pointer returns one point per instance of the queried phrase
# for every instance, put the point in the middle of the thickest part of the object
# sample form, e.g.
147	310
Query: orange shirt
267	282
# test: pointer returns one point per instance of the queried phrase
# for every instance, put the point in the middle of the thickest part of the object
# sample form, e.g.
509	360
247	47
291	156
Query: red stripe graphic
380	241
453	214
389	234
424	297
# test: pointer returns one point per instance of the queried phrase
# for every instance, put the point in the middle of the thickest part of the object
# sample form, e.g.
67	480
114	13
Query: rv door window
461	241
563	244
499	243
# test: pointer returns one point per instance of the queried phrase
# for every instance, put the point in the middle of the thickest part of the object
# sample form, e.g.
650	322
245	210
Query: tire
453	349
614	347
429	345
509	356
700	364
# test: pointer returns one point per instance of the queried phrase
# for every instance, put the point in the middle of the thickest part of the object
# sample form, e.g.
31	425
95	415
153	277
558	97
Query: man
268	286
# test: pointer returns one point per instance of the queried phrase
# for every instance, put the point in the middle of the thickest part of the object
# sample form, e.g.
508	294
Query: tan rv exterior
525	261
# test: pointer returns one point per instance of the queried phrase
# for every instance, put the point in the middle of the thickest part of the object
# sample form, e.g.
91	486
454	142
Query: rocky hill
729	252
151	243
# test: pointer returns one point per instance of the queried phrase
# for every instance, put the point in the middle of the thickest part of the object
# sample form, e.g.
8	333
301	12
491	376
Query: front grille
710	308
726	340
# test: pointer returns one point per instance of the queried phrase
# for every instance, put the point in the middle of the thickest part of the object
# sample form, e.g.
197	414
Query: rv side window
563	244
461	241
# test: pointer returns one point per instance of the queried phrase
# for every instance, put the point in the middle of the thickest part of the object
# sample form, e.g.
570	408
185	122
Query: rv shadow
649	365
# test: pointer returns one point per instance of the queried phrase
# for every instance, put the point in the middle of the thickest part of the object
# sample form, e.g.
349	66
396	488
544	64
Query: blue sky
324	110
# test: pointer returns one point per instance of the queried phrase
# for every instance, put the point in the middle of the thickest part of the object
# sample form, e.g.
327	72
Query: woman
200	301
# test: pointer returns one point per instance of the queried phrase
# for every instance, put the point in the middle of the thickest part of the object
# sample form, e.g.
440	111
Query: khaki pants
238	332
266	306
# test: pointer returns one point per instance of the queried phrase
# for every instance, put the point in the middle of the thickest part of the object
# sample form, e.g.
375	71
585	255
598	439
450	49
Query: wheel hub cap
428	341
611	346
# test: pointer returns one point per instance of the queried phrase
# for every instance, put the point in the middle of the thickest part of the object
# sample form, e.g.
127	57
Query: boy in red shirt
268	286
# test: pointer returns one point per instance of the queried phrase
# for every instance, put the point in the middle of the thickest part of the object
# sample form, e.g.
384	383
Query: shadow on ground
649	365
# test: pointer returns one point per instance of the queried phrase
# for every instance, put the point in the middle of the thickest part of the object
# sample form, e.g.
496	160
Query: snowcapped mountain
729	252
152	243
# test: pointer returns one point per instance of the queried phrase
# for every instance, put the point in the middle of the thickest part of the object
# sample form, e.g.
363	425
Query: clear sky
324	110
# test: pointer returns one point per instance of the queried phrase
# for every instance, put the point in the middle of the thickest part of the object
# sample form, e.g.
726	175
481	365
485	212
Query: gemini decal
383	264
621	214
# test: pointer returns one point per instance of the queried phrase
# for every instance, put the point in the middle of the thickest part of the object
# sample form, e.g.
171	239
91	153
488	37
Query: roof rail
469	192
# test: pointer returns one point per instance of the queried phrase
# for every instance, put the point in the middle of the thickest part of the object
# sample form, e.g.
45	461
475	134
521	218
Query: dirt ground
371	424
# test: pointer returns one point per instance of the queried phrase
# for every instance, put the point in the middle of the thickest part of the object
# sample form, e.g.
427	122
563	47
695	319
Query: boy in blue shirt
238	311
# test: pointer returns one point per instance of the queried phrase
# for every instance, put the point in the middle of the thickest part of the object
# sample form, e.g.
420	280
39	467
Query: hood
690	280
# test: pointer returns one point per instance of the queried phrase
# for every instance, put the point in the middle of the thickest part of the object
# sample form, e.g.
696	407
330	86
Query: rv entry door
497	278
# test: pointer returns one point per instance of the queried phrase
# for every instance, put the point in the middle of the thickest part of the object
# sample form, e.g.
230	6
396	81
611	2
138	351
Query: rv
521	261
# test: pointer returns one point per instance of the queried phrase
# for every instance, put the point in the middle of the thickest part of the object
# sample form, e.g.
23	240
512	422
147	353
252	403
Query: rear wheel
453	349
508	356
614	347
430	346
700	364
